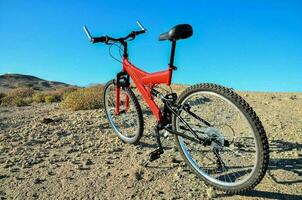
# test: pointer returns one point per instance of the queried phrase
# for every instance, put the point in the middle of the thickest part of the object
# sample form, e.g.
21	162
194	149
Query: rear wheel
237	156
128	124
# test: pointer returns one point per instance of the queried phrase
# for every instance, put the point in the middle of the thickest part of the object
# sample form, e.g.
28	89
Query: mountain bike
218	134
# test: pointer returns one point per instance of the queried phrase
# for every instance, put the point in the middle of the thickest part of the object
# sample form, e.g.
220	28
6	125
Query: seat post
171	64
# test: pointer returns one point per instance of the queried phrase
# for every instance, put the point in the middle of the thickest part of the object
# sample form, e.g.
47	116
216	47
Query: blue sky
248	45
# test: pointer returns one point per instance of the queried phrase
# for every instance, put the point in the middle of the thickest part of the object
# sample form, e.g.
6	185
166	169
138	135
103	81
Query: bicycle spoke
234	162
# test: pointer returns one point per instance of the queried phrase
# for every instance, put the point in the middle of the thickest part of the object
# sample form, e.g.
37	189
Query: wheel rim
125	125
231	177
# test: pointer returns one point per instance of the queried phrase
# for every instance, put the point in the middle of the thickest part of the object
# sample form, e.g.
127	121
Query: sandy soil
77	156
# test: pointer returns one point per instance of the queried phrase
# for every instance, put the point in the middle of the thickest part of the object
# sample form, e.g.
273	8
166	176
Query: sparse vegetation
84	99
18	97
39	97
25	96
52	96
19	90
51	99
72	97
19	101
66	90
2	95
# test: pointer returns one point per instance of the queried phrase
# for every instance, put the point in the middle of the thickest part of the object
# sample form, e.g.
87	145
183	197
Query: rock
81	167
293	97
76	161
18	178
109	162
107	174
39	180
3	176
137	174
35	195
89	162
174	160
47	120
50	173
295	153
211	192
150	177
15	169
179	173
8	164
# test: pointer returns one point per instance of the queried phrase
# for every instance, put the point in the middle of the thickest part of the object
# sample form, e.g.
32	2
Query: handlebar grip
98	39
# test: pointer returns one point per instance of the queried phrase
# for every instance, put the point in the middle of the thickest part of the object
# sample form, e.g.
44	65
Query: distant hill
11	81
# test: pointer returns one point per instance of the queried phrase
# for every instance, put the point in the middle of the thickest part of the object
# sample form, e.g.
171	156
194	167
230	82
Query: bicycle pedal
154	155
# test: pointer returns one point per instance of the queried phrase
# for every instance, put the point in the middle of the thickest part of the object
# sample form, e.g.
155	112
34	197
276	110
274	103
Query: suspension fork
117	103
122	80
127	102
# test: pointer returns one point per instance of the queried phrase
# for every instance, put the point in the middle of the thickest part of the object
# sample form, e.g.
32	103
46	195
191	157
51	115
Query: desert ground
50	153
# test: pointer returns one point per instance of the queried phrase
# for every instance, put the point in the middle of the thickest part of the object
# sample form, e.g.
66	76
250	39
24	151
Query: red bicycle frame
144	82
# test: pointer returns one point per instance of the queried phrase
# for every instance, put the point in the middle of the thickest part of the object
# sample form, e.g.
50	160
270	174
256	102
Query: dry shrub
21	92
2	95
47	96
52	96
51	99
19	101
84	99
39	97
18	97
67	90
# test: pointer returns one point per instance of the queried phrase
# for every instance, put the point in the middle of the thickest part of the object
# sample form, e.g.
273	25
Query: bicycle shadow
269	195
285	168
291	163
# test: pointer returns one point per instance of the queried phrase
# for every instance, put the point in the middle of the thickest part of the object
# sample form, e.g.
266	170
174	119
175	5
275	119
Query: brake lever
109	43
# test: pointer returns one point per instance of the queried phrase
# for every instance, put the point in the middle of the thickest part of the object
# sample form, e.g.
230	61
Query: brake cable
111	55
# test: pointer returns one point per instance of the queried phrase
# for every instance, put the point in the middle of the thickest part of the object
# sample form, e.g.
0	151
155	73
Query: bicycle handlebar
106	39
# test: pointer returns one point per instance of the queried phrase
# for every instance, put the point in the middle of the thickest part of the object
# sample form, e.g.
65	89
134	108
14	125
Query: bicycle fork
117	100
122	81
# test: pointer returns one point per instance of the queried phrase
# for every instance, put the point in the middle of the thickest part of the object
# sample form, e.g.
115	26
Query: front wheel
236	154
128	123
